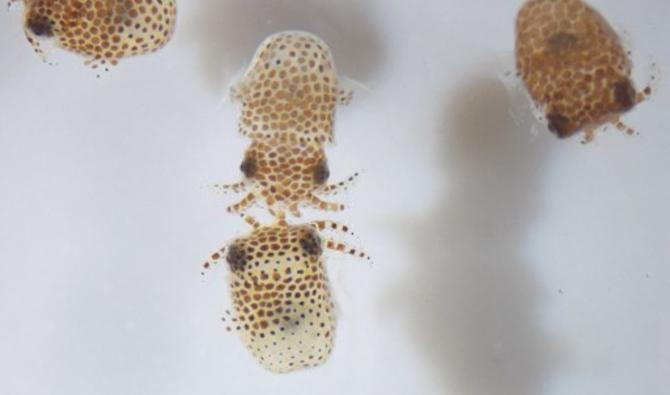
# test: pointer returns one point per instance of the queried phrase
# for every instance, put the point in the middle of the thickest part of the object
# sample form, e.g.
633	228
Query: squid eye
625	95
40	26
249	167
236	258
321	173
311	244
560	125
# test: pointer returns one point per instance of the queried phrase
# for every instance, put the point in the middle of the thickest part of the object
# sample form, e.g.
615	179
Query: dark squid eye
311	244
236	258
321	173
40	26
249	167
559	125
625	95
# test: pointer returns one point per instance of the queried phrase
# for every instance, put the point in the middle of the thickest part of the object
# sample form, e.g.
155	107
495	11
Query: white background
505	261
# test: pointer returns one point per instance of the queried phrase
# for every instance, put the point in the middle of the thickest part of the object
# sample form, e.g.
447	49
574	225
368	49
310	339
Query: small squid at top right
574	67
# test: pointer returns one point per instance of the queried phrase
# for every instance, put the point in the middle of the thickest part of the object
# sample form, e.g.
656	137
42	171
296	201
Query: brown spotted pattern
282	304
573	65
102	30
290	90
285	176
